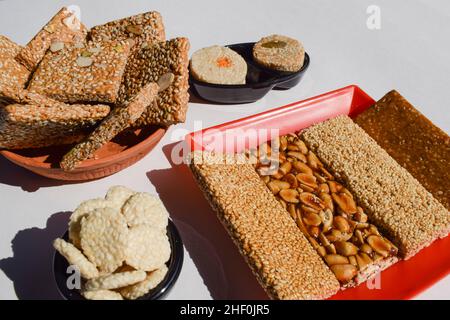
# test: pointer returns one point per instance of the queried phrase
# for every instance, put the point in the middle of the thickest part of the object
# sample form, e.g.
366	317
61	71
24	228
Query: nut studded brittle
324	210
165	63
72	73
63	27
144	27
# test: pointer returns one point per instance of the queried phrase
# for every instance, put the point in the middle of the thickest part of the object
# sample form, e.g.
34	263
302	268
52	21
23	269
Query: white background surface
409	53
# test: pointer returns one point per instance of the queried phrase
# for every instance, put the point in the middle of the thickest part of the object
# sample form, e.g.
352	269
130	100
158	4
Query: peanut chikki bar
71	73
412	140
120	119
167	64
279	255
64	27
12	74
144	27
34	126
396	202
324	210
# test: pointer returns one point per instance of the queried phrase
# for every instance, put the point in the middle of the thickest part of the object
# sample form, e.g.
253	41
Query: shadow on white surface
30	267
186	203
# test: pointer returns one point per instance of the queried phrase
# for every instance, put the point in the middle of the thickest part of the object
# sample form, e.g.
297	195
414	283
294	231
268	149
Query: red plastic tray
403	280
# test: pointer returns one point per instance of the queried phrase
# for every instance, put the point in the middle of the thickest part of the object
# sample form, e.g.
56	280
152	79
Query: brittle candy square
64	27
90	73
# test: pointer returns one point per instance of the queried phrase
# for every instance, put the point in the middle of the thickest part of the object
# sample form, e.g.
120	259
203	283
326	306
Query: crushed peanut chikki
324	210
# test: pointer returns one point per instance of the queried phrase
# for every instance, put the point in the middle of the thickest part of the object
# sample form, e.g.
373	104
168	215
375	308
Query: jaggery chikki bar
412	140
279	255
64	27
8	49
396	202
167	64
324	210
72	73
144	27
118	120
34	126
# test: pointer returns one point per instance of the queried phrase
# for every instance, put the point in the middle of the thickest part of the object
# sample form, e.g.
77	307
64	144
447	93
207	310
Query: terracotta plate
120	153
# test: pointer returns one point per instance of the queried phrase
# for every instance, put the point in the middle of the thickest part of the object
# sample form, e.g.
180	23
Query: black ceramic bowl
174	265
259	81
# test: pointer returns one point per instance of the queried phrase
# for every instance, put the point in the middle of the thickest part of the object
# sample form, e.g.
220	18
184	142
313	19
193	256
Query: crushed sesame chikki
64	27
91	73
396	202
165	63
8	48
118	120
33	126
278	253
144	27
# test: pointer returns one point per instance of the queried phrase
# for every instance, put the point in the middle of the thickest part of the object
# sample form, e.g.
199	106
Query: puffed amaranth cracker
140	289
92	73
144	27
394	201
148	248
118	195
85	208
143	208
75	257
102	295
412	140
115	280
64	27
121	118
33	126
165	63
281	258
104	238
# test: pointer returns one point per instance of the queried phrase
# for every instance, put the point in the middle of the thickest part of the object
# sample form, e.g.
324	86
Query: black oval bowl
174	265
258	83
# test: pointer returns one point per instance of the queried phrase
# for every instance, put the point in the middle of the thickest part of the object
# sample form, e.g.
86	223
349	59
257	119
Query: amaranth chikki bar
74	73
395	201
34	126
412	140
144	27
279	255
64	26
167	64
13	75
324	210
118	120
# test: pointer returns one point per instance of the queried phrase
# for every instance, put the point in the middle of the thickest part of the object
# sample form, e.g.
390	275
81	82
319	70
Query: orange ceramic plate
403	280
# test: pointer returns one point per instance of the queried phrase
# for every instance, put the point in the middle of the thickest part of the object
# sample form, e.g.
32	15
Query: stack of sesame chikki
60	86
333	189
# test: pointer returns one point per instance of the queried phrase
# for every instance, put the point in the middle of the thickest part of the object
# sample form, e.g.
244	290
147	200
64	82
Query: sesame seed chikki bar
33	126
93	73
167	64
64	27
324	210
396	202
279	255
144	27
118	120
13	75
412	140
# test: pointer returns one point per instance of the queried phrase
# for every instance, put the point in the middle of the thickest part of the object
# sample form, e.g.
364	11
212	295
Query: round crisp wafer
219	65
104	238
280	53
102	295
142	288
118	195
115	280
143	208
75	257
148	248
81	211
